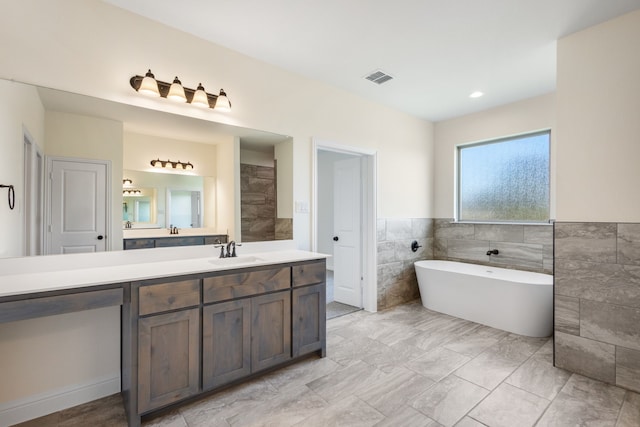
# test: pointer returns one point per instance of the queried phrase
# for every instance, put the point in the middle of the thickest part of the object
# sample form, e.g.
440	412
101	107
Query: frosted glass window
505	180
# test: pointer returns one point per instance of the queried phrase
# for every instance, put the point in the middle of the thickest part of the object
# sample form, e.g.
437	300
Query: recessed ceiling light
476	94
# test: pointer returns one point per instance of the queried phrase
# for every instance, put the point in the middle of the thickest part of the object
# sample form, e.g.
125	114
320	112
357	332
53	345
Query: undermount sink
249	259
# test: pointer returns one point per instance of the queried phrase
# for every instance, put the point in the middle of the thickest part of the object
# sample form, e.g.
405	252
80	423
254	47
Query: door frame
368	233
47	202
34	195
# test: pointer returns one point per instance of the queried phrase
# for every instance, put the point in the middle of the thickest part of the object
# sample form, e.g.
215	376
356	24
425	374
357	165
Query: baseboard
36	406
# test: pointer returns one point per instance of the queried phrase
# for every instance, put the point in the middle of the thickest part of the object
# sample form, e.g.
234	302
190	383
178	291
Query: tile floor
403	367
337	309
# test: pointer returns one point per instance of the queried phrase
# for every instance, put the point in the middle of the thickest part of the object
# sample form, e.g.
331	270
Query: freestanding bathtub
515	301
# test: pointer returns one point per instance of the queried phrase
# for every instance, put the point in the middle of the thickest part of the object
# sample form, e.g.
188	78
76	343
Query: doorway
344	224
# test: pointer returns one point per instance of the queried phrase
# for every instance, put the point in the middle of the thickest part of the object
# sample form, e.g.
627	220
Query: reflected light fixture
157	163
131	193
127	181
148	85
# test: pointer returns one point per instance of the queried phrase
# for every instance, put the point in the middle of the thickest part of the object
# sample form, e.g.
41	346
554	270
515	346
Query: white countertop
20	276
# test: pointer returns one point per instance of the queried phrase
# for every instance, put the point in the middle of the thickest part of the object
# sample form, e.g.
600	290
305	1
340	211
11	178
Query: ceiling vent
378	77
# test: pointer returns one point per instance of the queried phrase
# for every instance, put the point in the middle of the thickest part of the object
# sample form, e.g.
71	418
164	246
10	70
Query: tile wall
597	301
397	281
522	247
258	203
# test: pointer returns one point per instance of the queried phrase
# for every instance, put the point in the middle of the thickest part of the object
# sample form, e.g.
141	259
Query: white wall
598	101
140	149
256	158
513	119
283	153
72	135
20	109
228	188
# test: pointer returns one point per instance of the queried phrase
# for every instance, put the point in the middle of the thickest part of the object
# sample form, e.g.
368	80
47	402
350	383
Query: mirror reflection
63	125
164	200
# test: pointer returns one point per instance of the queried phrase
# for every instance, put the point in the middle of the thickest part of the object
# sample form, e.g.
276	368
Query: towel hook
11	195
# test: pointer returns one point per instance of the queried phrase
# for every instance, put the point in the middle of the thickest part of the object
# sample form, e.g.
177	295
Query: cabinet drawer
229	286
179	241
139	243
169	296
309	274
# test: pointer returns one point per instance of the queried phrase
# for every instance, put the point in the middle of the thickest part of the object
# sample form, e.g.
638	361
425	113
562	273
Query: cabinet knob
100	237
335	238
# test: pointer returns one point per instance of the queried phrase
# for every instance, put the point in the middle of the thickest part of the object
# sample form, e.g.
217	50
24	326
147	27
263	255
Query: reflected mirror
208	196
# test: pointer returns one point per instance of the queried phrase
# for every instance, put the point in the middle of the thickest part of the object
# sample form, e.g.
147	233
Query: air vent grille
378	77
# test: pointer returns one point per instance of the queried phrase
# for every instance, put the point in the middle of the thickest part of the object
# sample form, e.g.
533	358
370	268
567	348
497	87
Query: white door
347	232
78	207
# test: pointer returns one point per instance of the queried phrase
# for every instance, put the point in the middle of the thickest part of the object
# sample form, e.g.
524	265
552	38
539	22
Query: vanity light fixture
127	181
176	91
169	164
131	193
148	85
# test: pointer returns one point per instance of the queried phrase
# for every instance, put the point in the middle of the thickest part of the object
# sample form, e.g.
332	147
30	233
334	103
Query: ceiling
438	51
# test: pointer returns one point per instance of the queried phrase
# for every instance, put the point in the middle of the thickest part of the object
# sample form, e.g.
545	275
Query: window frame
458	183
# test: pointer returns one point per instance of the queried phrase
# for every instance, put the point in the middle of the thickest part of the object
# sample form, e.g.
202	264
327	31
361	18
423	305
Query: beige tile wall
597	301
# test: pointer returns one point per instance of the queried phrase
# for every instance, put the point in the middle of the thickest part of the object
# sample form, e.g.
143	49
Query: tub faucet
493	252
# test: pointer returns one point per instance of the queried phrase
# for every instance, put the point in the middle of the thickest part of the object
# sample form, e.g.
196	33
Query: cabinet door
168	358
270	330
308	306
226	342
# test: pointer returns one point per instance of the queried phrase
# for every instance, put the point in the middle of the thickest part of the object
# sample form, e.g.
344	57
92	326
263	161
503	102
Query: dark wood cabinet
139	243
168	358
226	342
270	330
162	242
309	319
189	334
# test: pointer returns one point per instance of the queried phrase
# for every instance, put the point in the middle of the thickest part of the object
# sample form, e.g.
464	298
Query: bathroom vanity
191	323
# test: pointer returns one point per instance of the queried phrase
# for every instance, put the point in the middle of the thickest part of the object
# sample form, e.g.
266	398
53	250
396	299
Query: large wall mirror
212	195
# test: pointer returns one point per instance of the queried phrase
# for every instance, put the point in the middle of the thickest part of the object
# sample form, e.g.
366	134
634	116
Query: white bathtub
516	301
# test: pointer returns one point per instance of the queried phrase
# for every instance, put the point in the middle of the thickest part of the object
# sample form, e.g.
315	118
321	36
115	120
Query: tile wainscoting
522	247
597	301
397	281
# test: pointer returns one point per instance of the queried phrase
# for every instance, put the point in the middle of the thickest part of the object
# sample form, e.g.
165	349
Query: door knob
335	238
100	237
